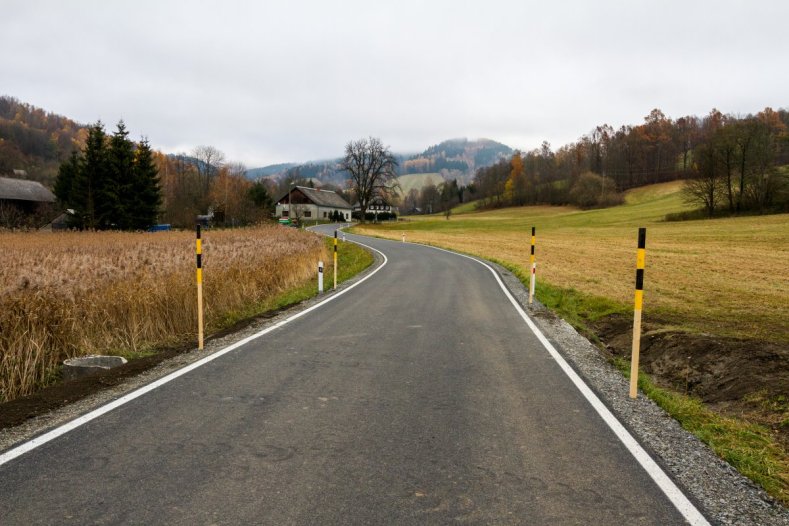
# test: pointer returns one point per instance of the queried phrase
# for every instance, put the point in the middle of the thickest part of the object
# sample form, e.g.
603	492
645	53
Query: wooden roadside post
199	252
335	259
639	301
533	265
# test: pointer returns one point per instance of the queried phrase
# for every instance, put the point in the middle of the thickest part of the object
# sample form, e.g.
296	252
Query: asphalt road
418	397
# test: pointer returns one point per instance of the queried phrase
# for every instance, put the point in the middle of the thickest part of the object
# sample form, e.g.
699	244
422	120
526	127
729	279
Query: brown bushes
67	294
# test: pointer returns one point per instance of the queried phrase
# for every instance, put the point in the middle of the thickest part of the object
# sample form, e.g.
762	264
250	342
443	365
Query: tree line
730	162
437	198
205	183
112	183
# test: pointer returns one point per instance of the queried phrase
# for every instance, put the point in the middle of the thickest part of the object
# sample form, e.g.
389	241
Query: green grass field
722	276
465	208
417	181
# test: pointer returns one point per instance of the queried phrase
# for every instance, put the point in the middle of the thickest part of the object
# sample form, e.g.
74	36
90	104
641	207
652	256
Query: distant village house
310	204
377	206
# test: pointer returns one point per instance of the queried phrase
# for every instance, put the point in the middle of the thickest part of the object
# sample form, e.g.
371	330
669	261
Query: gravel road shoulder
720	491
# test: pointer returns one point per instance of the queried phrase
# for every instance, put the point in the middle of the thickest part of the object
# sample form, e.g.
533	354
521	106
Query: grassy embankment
726	277
70	294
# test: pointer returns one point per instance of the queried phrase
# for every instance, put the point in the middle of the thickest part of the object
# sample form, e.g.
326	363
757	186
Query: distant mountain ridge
452	159
272	169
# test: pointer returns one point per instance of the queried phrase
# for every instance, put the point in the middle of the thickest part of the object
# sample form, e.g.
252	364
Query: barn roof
23	190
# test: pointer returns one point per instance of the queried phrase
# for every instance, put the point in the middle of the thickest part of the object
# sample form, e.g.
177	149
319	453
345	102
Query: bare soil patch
745	378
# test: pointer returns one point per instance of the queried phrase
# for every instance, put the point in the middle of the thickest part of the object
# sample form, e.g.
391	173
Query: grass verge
352	259
575	307
750	448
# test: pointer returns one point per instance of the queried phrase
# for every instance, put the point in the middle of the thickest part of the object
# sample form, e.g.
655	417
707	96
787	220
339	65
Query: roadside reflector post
639	301
533	265
403	237
199	253
335	259
320	276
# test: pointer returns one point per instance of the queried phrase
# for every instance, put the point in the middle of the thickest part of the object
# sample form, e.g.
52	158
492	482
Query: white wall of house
310	211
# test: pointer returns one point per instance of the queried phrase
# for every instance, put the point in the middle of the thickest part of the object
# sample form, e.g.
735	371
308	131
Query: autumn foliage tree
233	199
743	158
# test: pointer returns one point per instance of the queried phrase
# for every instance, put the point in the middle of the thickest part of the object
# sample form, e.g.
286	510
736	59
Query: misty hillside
272	169
456	158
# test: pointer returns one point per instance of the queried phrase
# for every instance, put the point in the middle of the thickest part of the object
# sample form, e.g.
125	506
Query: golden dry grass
69	294
728	277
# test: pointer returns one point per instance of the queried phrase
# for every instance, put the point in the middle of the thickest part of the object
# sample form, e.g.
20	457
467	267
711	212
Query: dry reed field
727	277
77	293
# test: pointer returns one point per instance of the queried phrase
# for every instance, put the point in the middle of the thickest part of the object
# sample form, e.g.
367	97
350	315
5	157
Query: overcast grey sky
274	81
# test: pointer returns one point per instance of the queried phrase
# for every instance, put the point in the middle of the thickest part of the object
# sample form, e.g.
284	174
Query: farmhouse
377	205
311	203
24	195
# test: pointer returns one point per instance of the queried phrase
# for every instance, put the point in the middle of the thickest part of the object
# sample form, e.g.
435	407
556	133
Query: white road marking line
73	424
664	482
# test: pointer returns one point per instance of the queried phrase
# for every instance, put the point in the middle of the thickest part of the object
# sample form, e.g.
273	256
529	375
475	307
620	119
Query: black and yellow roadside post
639	302
533	265
199	252
335	259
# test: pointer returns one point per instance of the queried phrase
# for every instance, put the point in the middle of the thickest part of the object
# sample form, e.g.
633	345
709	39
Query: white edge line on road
664	482
77	422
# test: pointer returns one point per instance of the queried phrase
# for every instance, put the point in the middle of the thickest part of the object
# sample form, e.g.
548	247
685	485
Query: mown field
724	276
71	294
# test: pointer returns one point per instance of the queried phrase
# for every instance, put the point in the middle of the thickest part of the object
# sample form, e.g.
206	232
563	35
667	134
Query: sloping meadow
70	294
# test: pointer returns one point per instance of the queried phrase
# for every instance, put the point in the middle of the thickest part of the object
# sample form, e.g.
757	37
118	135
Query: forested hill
36	141
458	158
453	159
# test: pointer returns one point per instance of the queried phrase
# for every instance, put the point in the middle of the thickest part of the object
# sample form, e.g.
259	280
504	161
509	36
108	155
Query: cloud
295	80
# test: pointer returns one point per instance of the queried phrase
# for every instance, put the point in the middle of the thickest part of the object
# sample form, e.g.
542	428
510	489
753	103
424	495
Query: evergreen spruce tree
120	183
64	182
64	185
88	190
260	196
147	195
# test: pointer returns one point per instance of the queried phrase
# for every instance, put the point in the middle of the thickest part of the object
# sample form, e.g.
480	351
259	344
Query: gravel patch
720	492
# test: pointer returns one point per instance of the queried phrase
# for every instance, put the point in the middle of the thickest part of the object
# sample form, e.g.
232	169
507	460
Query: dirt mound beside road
736	376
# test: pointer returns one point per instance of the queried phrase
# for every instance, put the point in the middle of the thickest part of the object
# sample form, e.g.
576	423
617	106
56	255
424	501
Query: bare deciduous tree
372	168
209	160
704	185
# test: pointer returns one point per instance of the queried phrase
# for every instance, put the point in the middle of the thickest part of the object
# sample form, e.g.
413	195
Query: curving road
418	397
